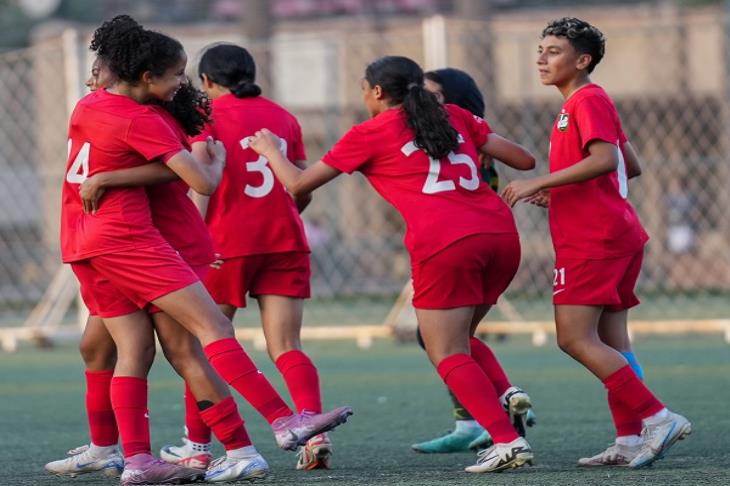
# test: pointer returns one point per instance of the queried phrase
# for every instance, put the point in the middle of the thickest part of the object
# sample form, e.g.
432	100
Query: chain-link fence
667	75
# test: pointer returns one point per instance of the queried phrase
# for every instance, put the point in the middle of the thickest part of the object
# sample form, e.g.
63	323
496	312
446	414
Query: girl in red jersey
270	260
599	242
113	129
454	86
420	156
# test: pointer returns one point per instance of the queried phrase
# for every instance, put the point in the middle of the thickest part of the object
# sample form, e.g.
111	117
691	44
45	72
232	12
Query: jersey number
433	185
79	170
623	180
260	165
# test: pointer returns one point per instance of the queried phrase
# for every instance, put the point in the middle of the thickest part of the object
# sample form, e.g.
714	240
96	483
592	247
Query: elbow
529	163
297	191
205	187
633	172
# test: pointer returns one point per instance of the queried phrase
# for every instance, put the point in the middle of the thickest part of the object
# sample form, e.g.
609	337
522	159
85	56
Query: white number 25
433	185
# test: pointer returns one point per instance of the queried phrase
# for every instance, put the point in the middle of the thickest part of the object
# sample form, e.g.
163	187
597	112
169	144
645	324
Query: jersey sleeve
351	152
153	138
597	120
295	149
477	127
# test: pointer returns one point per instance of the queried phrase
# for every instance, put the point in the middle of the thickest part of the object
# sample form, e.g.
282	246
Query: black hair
232	67
401	79
585	38
458	88
190	107
128	49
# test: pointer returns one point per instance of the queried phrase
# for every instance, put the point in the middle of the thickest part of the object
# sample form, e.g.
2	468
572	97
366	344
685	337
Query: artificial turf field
398	400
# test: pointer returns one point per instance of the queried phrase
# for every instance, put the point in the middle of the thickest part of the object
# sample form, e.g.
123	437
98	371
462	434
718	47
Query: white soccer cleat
316	453
82	461
517	404
500	457
658	438
226	469
186	455
614	455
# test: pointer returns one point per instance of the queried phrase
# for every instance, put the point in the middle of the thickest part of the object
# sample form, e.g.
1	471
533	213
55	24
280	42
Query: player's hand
541	198
216	150
217	263
520	189
91	191
264	143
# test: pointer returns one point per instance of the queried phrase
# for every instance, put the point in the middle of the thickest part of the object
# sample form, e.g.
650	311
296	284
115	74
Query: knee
570	345
98	356
281	344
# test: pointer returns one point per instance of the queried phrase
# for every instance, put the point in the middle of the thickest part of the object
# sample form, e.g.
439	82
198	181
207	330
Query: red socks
466	379
198	431
624	386
626	421
227	424
102	424
129	399
236	368
487	361
301	379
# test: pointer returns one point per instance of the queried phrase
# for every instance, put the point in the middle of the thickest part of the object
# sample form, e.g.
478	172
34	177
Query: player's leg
217	410
446	334
177	290
99	354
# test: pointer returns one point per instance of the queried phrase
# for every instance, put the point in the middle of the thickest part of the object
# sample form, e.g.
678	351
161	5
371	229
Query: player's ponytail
232	67
401	79
129	50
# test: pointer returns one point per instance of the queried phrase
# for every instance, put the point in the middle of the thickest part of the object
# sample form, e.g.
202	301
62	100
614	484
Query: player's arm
297	181
303	200
202	177
631	159
200	152
508	152
602	159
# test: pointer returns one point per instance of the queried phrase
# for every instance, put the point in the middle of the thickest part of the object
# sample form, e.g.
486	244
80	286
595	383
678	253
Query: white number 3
79	170
260	165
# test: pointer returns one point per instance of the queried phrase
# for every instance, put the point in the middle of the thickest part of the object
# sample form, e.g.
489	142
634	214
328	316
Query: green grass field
398	400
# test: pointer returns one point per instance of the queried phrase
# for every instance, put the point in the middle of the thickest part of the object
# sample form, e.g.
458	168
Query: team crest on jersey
563	121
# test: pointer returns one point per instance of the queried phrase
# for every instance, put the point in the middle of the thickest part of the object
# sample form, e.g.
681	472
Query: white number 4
79	170
260	165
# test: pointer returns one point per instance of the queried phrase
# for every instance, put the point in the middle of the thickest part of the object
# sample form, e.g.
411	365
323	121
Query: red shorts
100	296
609	283
143	275
284	274
474	270
200	270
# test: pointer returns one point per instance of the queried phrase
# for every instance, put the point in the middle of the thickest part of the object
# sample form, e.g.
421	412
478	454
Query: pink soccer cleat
297	429
145	469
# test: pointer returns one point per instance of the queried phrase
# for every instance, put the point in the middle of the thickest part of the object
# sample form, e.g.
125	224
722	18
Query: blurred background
667	67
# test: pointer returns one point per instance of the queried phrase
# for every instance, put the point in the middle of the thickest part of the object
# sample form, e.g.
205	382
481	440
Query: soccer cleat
500	457
614	455
294	430
517	403
226	469
658	438
186	455
482	442
453	441
82	461
145	469
316	453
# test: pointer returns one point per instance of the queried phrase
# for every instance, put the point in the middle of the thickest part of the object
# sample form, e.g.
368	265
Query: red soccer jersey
251	212
441	201
109	132
591	219
175	215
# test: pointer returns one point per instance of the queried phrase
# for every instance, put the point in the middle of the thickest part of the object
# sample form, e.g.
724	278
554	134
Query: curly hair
129	50
401	79
190	107
585	38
